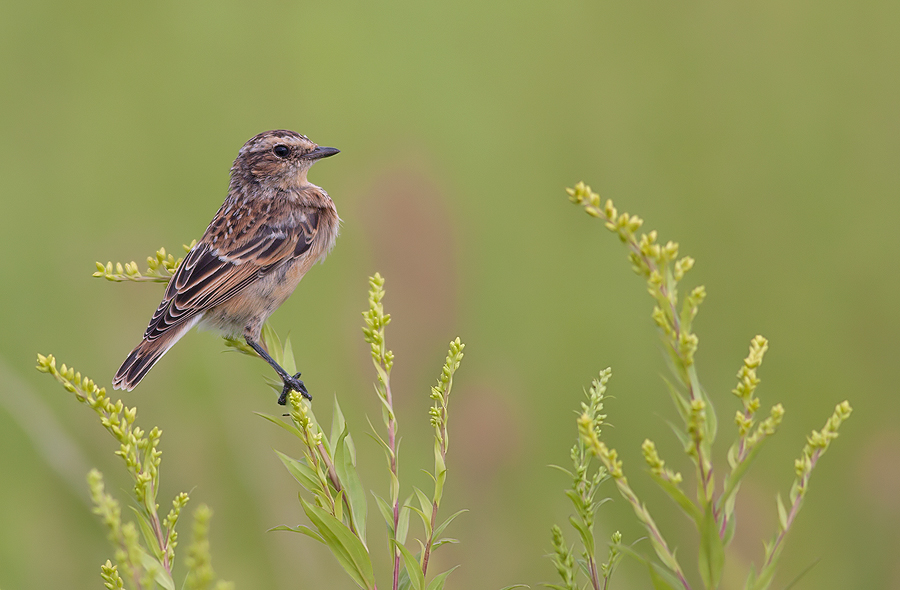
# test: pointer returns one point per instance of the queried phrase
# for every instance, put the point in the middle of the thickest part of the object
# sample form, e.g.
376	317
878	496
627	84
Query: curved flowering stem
712	515
151	562
160	268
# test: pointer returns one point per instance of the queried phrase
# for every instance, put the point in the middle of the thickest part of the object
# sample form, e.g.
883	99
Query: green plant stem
795	508
427	553
595	575
613	465
392	443
657	538
688	372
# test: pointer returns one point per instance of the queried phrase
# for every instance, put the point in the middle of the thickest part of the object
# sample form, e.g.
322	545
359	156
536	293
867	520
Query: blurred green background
763	136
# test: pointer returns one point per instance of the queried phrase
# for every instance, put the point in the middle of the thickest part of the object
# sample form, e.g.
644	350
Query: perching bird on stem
271	229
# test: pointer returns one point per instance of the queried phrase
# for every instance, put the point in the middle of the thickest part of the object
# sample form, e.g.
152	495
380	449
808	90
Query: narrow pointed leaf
403	521
426	519
424	501
338	424
782	513
712	551
734	478
416	577
444	541
439	530
662	578
681	403
438	582
302	529
353	488
344	545
567	472
287	357
148	534
680	498
386	511
161	576
302	472
680	434
279	422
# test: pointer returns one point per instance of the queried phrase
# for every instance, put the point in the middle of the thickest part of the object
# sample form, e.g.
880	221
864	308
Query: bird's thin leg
290	383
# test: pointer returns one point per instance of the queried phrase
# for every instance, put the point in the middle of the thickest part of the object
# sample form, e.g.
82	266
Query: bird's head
280	158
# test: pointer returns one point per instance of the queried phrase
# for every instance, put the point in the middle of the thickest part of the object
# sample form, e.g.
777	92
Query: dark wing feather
211	275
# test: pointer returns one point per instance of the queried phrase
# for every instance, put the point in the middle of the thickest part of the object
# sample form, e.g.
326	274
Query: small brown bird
271	229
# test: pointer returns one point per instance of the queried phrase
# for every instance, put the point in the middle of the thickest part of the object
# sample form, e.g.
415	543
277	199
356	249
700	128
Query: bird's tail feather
143	357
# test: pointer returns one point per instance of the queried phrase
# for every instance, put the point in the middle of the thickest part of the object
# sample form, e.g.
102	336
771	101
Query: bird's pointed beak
321	152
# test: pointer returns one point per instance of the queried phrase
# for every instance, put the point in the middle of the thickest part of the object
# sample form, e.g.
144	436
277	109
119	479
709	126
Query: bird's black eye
282	151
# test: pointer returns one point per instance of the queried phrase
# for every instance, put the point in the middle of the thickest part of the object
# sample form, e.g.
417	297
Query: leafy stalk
712	515
145	550
583	494
383	360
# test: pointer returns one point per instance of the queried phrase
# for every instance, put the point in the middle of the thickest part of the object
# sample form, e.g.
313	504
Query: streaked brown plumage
273	226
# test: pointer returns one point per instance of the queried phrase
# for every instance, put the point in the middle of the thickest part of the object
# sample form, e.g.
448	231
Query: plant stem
392	443
427	554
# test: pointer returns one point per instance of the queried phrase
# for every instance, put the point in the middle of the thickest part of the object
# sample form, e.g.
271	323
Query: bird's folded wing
211	275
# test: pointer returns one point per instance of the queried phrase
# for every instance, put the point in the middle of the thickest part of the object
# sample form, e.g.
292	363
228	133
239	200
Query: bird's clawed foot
293	384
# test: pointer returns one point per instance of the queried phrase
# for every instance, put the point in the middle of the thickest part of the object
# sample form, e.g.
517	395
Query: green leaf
424	500
403	521
279	422
729	502
729	529
272	343
764	579
384	446
587	535
438	582
712	421
444	541
338	424
681	435
782	513
161	576
302	472
416	577
426	519
662	578
288	362
681	403
339	506
440	473
386	512
515	586
679	497
712	550
439	530
751	578
302	529
347	474
148	534
576	499
734	478
567	472
345	546
425	512
732	455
